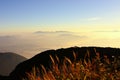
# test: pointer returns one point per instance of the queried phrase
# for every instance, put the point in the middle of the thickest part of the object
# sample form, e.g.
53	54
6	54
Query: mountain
45	60
8	62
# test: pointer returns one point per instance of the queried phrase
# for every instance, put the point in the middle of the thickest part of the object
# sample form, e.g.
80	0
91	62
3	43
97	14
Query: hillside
8	61
45	60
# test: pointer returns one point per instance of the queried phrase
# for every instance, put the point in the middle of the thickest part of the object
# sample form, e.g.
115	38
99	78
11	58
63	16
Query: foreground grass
86	69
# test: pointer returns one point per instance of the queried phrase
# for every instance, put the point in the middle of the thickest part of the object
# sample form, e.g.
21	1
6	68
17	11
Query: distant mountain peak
8	61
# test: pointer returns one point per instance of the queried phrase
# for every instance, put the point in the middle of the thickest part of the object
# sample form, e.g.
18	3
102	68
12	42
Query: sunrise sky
28	27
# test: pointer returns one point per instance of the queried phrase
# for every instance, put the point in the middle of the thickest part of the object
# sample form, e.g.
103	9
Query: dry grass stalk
79	70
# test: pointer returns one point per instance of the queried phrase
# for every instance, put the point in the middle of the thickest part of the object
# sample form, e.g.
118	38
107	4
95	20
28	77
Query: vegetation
97	68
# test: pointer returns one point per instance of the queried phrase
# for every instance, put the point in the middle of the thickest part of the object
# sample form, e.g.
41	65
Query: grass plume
87	69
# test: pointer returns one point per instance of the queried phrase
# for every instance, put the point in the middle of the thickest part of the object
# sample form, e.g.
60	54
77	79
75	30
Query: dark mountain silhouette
44	58
8	61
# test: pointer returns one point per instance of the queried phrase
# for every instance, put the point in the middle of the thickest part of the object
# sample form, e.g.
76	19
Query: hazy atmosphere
28	27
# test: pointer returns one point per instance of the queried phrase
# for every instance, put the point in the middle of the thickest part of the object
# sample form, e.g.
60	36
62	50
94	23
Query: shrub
88	69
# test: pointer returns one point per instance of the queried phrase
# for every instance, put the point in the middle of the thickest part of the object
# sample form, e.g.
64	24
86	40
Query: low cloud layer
6	38
59	34
46	32
108	31
30	44
33	43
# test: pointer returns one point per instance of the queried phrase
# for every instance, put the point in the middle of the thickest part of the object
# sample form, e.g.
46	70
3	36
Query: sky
28	27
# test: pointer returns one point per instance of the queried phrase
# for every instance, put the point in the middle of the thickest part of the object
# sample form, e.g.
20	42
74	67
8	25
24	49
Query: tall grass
87	69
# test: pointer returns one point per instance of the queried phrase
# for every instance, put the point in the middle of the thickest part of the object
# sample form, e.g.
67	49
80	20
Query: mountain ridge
8	61
43	58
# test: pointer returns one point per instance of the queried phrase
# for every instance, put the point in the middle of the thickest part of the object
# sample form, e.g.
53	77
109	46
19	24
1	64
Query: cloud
25	45
31	44
92	19
108	31
56	39
6	38
49	32
71	36
60	34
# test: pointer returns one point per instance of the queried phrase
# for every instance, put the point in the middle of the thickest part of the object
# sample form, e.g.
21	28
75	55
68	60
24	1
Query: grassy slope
97	68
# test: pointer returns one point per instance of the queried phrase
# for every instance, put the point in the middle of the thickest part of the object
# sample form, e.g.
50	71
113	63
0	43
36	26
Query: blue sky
58	23
45	13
